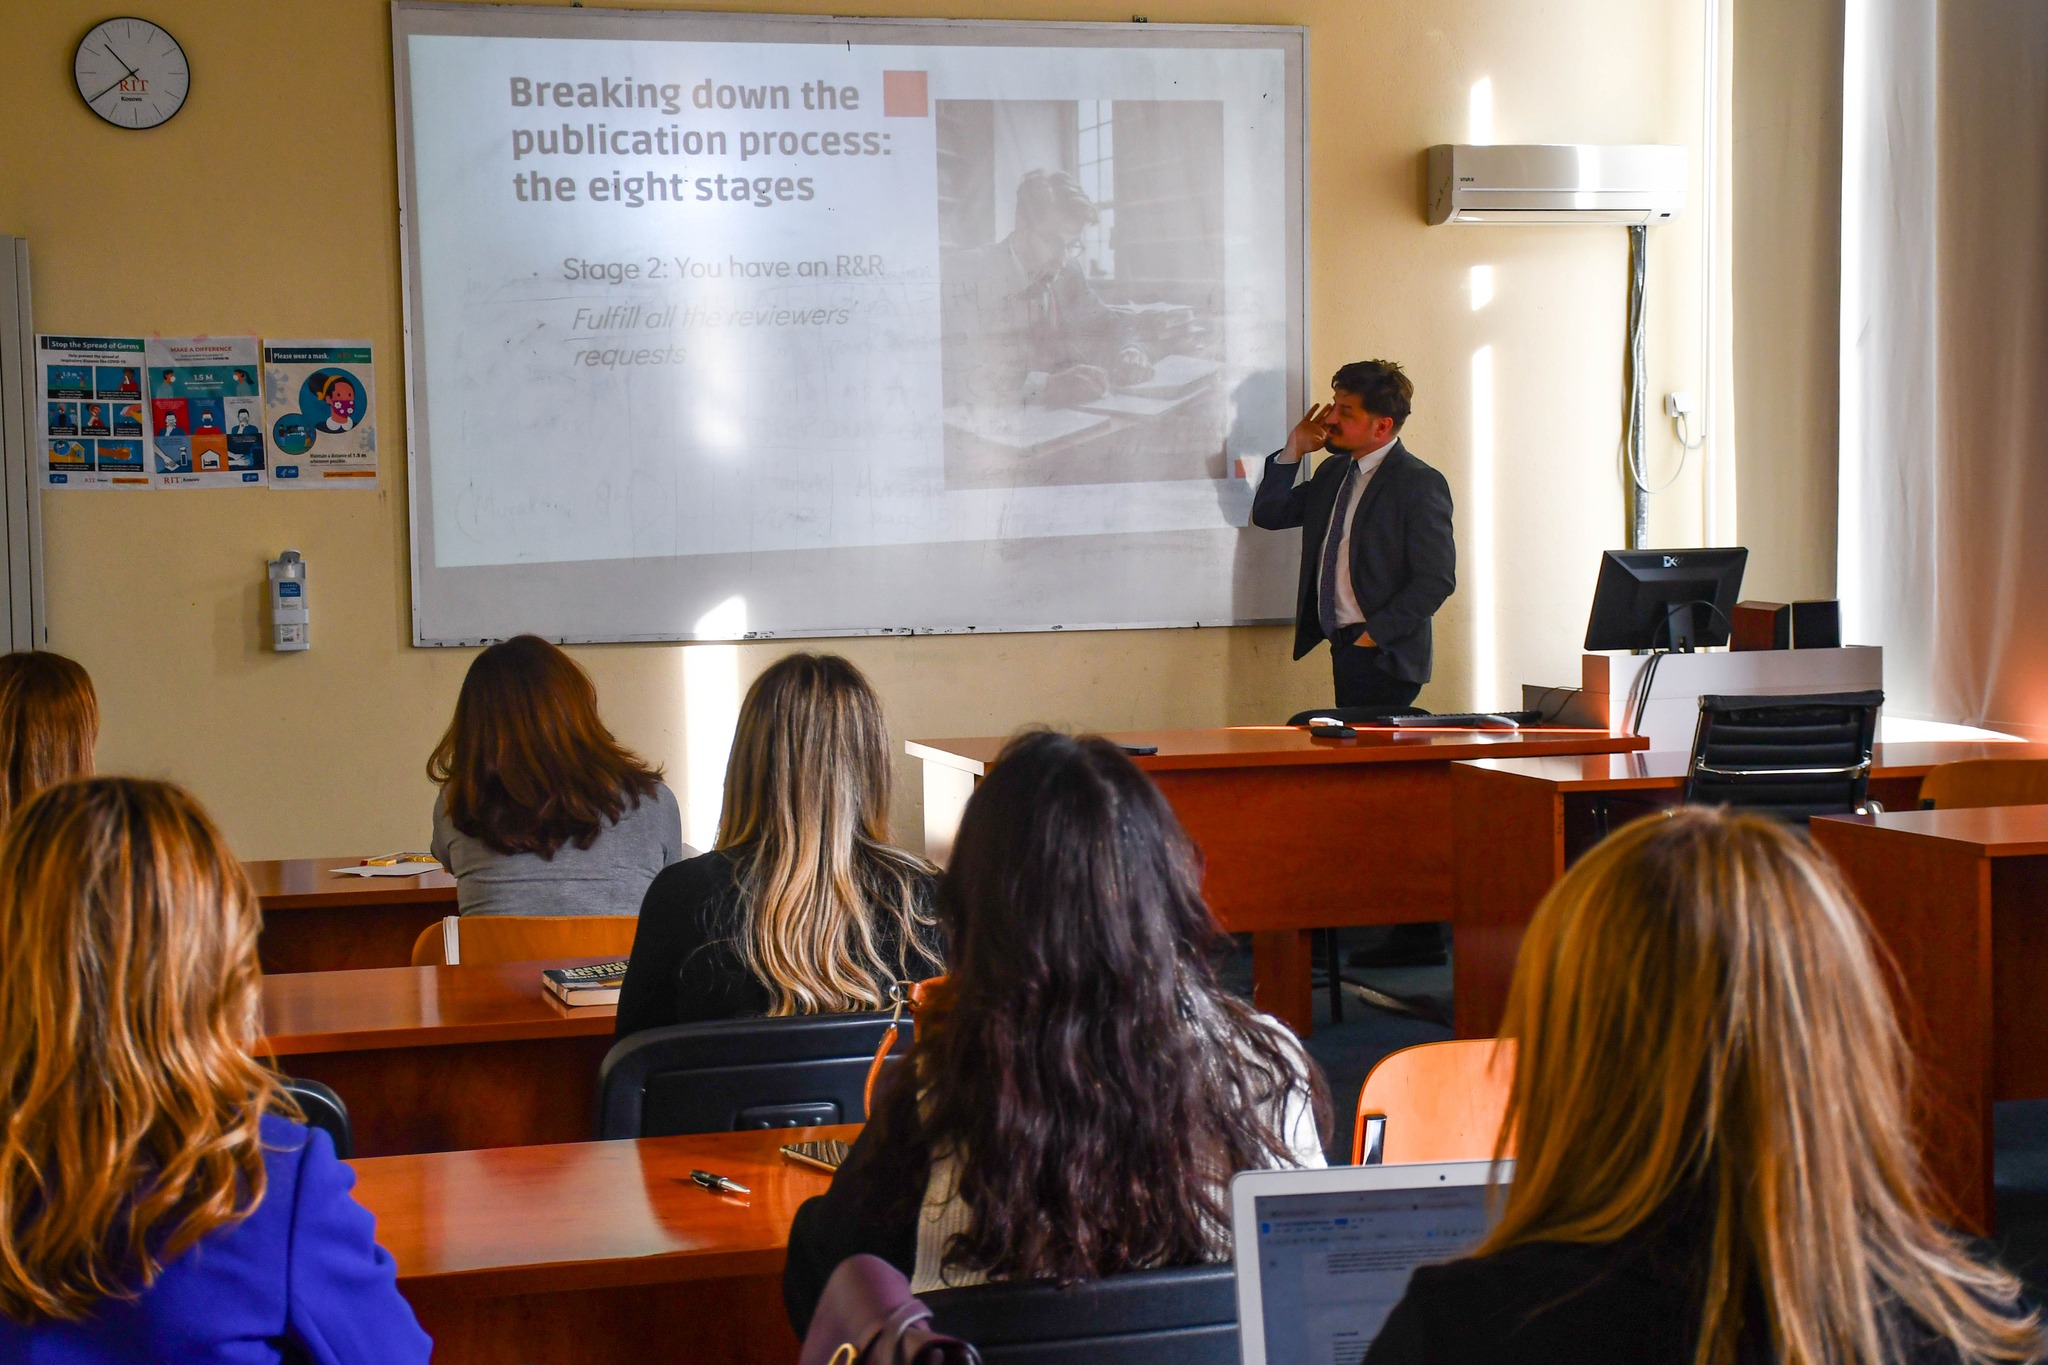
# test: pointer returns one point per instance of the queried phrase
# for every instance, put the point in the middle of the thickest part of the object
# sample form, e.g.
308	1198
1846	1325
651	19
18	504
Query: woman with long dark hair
541	811
1715	1158
1082	1087
804	907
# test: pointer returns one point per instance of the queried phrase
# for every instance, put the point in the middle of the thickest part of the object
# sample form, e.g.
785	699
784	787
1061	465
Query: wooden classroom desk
1296	833
1960	900
433	1059
314	921
1519	822
596	1251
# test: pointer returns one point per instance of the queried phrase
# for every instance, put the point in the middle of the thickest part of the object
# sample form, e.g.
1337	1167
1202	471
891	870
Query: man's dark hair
1379	386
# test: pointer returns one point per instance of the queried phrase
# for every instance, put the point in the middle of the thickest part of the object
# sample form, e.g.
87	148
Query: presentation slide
751	309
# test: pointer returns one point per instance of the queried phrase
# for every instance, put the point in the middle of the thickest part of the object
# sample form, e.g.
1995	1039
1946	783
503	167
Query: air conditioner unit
1555	183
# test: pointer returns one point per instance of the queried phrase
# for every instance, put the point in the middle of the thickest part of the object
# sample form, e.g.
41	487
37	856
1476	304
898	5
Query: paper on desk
387	870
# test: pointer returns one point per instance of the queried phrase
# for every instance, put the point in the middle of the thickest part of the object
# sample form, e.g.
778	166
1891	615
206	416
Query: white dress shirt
1341	518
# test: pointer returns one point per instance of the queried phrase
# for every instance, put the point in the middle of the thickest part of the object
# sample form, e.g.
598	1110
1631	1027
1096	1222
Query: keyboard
1469	720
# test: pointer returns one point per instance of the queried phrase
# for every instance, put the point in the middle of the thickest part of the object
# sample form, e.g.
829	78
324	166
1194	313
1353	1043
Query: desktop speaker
1761	625
1817	625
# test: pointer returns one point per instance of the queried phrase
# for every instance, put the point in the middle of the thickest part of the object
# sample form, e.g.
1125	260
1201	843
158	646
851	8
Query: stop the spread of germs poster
93	411
319	401
205	415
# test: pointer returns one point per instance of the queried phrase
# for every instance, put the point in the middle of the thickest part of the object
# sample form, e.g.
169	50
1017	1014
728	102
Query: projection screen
726	326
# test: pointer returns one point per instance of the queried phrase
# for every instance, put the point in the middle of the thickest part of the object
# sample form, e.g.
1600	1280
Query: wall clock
131	73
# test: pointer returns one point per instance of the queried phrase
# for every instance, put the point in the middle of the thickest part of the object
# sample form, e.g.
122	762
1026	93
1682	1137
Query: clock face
132	73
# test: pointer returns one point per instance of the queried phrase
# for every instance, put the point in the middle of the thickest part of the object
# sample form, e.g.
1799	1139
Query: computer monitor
1665	599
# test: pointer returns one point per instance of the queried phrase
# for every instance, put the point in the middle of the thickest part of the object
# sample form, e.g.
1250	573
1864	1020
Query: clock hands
90	99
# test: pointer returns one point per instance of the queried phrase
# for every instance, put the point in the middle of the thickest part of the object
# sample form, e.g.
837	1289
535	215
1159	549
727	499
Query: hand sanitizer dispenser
288	603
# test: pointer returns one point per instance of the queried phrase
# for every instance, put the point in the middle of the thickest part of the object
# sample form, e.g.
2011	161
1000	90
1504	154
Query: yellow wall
269	205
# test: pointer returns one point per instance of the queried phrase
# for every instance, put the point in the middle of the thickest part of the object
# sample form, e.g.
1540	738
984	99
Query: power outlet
1681	404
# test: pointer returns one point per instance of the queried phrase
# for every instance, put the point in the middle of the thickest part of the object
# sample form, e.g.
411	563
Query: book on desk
596	984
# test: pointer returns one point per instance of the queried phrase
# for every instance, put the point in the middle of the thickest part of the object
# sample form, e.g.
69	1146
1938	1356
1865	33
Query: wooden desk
432	1059
1960	898
1297	833
314	921
1519	822
596	1251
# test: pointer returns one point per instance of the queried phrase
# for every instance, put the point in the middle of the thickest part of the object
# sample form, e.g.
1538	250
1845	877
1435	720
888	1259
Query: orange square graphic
904	95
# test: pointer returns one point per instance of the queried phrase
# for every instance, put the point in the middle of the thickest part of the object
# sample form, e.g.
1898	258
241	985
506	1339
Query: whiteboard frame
443	17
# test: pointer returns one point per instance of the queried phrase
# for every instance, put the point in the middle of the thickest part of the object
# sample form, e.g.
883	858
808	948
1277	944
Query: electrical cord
1632	417
1649	674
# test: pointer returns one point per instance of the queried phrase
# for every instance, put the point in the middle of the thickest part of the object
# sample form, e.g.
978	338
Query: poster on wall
319	404
205	413
92	411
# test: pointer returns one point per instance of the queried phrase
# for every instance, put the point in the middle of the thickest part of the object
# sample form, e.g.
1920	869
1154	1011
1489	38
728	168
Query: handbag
915	994
868	1316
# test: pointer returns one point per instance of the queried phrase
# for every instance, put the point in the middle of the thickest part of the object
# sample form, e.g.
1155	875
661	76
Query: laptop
1323	1256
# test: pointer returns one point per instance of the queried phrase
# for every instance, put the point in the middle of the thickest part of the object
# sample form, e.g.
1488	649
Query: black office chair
323	1110
731	1074
1188	1316
1793	757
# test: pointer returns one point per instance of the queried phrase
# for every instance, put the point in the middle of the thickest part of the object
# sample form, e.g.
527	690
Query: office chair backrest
323	1110
486	940
1434	1102
1986	782
1188	1316
1794	757
731	1074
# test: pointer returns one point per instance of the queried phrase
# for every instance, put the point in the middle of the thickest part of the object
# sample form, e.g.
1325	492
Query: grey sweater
608	878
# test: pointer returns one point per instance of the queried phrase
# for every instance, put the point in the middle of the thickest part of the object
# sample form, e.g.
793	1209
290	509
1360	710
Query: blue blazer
301	1279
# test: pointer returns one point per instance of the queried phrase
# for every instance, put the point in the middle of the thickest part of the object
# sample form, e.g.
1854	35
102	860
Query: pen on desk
718	1184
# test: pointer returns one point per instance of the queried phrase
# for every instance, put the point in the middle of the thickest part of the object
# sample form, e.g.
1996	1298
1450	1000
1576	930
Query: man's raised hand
1309	434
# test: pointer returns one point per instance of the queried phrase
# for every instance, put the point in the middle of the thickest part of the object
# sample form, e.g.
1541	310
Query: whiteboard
723	326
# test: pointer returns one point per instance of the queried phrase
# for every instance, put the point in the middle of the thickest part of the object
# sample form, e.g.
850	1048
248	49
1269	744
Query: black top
1404	562
686	965
1635	1301
858	1215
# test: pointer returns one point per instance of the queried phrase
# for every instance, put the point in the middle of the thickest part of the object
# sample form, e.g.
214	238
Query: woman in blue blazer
153	1203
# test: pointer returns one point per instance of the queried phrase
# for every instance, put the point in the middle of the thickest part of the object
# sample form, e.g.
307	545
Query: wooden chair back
485	940
1434	1102
1986	782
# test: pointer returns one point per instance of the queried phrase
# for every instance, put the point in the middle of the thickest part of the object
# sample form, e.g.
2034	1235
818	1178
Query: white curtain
1944	420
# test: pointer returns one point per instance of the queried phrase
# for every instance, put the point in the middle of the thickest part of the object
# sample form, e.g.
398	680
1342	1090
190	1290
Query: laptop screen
1333	1265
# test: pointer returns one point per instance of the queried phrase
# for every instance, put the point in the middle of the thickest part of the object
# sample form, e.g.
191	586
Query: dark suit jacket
1403	560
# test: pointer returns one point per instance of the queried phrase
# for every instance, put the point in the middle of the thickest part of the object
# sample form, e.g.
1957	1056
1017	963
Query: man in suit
1377	558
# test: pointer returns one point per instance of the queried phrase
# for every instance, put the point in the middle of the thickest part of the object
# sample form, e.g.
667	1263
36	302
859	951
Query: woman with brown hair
49	721
1715	1157
153	1205
804	907
541	811
1082	1087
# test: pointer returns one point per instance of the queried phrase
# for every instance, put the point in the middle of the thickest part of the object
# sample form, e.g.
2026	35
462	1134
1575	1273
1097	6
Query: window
1096	172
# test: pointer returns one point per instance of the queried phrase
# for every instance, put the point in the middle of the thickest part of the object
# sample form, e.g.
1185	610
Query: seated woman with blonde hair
804	907
153	1203
49	722
1715	1157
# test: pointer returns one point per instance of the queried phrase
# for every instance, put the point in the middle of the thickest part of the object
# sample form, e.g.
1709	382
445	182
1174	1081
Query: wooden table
1960	899
1519	822
1297	833
596	1251
315	921
432	1059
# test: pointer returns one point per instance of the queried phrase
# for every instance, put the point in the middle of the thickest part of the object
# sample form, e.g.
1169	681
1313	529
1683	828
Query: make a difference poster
205	413
319	400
